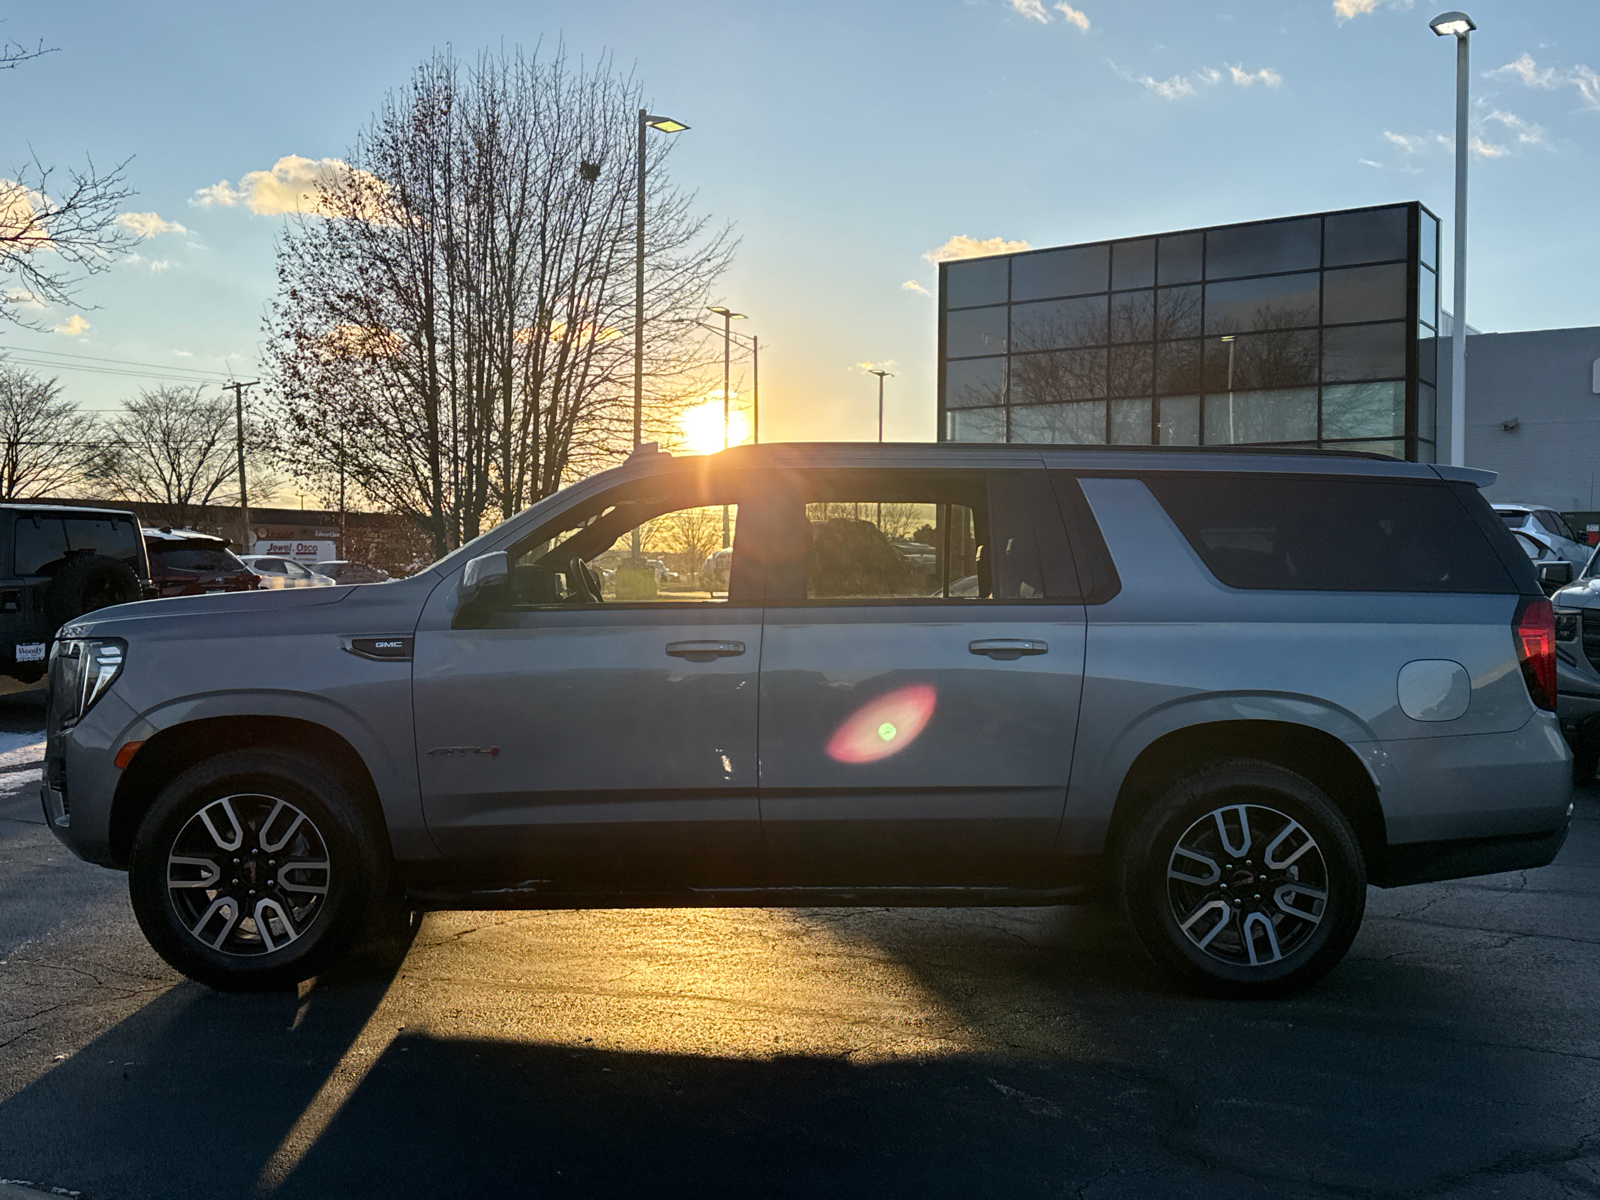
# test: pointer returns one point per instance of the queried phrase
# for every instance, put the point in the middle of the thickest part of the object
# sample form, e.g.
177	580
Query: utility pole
244	496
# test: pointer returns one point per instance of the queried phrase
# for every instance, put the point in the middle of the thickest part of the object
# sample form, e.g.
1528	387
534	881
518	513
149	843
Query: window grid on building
1314	331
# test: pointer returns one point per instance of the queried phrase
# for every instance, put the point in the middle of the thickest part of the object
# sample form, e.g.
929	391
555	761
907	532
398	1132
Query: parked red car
186	563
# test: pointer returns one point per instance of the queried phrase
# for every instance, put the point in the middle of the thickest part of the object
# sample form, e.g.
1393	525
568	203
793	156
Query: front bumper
80	778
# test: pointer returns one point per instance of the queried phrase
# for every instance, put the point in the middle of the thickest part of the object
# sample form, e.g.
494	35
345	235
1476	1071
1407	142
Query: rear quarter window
1309	533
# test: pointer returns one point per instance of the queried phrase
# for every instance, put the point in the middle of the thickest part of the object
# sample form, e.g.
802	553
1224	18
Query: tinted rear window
1514	520
195	559
43	542
1317	534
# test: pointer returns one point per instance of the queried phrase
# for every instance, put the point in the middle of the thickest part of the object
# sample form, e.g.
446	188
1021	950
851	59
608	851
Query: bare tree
461	301
54	230
46	442
173	448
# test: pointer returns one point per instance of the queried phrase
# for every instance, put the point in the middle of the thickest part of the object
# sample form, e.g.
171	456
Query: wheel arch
173	750
1314	753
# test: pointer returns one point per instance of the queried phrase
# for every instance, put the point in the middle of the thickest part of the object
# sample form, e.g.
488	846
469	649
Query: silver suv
1233	688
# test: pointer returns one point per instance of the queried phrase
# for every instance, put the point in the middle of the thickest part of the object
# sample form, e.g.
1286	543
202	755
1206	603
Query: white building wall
1542	385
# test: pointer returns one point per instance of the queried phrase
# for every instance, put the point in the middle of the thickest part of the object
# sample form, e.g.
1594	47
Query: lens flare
884	726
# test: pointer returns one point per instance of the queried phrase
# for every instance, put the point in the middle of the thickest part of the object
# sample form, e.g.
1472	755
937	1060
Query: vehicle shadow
196	1092
1430	1063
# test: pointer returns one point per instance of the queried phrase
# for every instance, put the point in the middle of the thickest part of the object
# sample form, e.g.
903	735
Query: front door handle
704	651
1007	649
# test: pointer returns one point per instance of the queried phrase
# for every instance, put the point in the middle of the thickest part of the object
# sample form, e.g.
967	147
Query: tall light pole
882	375
647	121
1461	26
728	318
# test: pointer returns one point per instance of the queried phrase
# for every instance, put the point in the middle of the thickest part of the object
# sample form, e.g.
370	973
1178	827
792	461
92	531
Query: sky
847	140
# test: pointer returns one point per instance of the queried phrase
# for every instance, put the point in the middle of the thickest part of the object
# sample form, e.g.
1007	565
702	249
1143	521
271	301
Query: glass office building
1306	331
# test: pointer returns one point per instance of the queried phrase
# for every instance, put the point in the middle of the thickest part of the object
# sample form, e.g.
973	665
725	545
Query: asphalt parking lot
754	1053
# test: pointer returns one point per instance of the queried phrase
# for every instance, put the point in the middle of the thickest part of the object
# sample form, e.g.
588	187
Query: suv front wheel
1245	880
254	869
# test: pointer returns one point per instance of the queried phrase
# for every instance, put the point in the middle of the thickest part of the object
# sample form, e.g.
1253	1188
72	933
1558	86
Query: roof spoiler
1476	476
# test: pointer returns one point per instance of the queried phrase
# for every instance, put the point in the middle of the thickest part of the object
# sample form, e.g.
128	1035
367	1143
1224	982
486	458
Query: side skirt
537	894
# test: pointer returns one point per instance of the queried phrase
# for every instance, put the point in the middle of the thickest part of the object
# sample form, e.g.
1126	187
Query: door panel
892	753
589	745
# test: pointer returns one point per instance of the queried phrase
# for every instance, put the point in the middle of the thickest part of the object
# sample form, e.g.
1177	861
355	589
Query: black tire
86	582
311	930
1315	900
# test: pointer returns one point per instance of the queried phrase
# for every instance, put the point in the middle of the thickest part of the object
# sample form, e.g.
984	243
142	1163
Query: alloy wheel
1247	885
248	874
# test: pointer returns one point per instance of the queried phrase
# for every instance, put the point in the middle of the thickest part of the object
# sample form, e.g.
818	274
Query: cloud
187	354
1409	142
1074	16
1345	9
911	285
1527	133
23	298
868	367
1266	76
148	225
1367	162
294	184
962	246
159	265
21	225
1034	10
1182	87
73	326
1176	88
1485	149
1583	79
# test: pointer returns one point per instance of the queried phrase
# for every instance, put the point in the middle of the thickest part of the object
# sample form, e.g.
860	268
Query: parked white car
1550	527
284	572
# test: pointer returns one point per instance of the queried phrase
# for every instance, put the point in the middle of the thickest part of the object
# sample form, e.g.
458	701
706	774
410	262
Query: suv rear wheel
1244	880
254	870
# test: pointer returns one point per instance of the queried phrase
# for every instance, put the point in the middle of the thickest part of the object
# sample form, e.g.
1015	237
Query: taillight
1534	627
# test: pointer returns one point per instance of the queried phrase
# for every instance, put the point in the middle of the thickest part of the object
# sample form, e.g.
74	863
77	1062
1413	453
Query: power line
123	362
122	374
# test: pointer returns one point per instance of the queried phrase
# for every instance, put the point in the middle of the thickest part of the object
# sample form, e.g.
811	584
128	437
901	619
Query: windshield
1589	572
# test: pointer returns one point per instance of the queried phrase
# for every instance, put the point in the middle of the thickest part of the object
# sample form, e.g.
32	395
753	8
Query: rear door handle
704	651
1007	649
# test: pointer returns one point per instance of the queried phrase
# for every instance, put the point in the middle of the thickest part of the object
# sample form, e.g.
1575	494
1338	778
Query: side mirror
485	583
1553	576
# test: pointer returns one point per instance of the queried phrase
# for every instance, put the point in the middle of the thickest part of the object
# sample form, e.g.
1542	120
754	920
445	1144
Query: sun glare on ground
702	426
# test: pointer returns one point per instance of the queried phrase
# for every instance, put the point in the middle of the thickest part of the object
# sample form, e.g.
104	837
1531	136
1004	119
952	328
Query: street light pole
728	318
755	389
1461	26
664	125
882	375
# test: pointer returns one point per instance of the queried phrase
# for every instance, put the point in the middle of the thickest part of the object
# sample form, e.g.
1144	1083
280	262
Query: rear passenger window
1318	534
907	535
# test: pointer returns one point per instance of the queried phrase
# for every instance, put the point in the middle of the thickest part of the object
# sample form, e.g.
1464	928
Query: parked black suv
59	562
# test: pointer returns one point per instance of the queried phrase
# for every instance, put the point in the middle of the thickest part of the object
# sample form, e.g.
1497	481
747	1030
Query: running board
541	894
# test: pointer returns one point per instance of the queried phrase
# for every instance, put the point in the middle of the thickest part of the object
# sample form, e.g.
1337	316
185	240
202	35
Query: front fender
381	734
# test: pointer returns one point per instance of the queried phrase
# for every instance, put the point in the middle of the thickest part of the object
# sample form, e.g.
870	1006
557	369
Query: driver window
681	555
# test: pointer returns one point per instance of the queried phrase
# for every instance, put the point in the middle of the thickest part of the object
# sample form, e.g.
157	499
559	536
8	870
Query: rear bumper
1429	862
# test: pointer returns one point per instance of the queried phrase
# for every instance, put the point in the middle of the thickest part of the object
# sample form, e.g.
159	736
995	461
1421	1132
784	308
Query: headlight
1566	626
81	671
